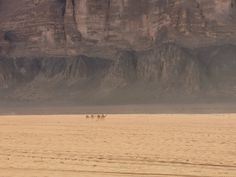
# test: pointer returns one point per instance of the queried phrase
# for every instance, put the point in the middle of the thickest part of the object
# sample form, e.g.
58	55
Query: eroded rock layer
109	49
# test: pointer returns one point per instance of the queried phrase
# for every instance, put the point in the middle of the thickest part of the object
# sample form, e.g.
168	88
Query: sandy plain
174	145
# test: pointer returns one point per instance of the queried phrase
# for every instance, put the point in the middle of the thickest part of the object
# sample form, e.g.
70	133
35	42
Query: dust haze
117	88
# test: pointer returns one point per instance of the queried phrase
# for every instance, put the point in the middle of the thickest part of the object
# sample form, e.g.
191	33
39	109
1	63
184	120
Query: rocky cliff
127	50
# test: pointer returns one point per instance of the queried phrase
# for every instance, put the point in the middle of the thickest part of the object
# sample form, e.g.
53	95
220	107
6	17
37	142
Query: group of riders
98	116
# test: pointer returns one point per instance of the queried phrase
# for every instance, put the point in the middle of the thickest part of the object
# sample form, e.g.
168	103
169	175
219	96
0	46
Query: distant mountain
117	51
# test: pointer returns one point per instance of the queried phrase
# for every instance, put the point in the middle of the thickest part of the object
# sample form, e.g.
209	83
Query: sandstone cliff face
159	46
72	27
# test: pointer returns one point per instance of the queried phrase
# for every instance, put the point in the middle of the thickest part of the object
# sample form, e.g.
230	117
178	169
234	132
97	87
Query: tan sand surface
119	146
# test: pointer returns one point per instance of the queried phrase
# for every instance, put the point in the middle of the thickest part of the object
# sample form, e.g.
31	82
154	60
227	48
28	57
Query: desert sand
198	145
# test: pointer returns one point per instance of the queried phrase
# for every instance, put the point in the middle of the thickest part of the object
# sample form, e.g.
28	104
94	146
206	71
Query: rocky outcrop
73	68
164	70
168	65
87	48
172	67
123	71
25	70
75	27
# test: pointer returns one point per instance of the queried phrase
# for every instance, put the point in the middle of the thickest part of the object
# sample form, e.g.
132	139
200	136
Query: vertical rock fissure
107	20
72	35
63	16
74	10
63	7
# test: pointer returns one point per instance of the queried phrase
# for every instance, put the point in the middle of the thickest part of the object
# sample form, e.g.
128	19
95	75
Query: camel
101	117
104	116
